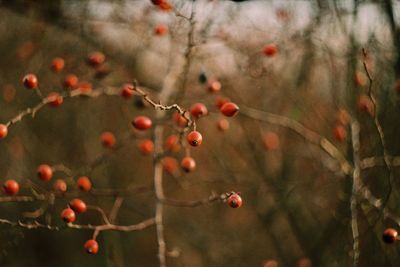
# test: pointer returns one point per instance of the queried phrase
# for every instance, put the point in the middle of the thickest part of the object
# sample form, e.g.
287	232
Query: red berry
271	141
3	131
221	101
365	105
157	2
194	138
11	187
223	125
91	246
68	215
214	86
172	143
57	64
71	81
188	164
142	123
304	262
30	81
270	50
55	99
84	184
165	6
170	165
342	117
235	201
161	29
127	90
85	87
340	133
78	205
96	58
360	79
389	235
44	172
198	110
60	186
229	109
146	147
180	120
108	139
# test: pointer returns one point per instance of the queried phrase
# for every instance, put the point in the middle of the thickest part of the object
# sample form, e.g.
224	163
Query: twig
355	137
307	134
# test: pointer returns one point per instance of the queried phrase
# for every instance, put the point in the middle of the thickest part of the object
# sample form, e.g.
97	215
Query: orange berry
127	90
60	186
108	139
271	141
55	99
91	246
214	86
78	205
340	133
96	58
57	64
84	184
179	119
161	30
270	50
223	125
11	187
172	143
194	138
44	172
146	147
71	81
142	123
188	164
229	109
235	201
198	110
170	165
3	131
68	215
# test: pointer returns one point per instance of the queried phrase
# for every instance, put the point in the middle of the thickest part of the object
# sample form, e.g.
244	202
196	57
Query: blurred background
296	209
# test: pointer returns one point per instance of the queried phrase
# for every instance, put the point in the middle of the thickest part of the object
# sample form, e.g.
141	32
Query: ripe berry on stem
68	215
3	131
91	246
55	99
60	186
78	205
142	123
194	138
198	110
11	187
44	172
172	143
214	86
30	81
188	164
235	200
127	90
71	81
84	183
389	235
229	109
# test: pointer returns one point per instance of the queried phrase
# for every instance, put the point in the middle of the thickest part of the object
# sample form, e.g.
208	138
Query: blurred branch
372	162
301	130
195	203
355	138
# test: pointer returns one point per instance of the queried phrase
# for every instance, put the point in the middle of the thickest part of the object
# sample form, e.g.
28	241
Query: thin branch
195	203
300	129
355	137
